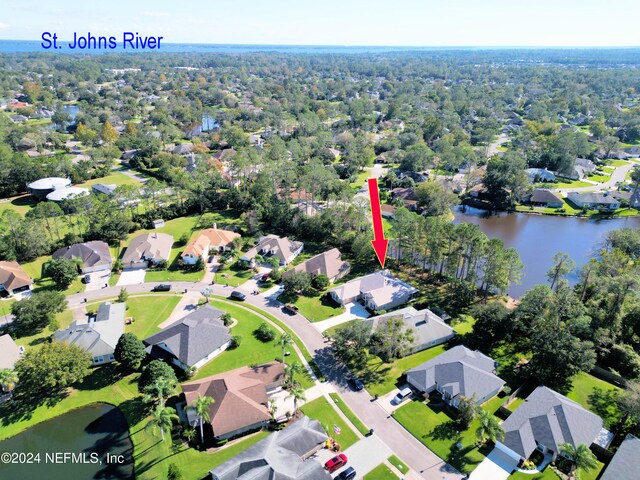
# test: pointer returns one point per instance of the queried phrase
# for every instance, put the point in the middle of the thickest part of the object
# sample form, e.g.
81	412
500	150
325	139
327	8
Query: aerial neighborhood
191	280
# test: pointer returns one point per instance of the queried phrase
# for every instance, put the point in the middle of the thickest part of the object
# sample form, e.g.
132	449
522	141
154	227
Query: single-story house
13	279
158	223
329	263
182	149
580	169
388	211
594	201
632	151
99	334
147	248
10	353
241	398
104	189
540	175
544	421
95	256
624	464
281	248
428	328
208	241
478	190
407	195
458	372
192	341
376	291
282	455
545	198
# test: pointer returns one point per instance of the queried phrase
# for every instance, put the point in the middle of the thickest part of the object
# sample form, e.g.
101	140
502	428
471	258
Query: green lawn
438	431
233	276
115	178
21	204
361	427
251	351
596	395
34	270
64	319
547	474
152	456
399	464
463	324
602	178
570	184
381	472
148	311
321	410
314	306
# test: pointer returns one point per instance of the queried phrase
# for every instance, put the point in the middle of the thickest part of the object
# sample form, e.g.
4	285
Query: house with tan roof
282	248
148	248
208	241
328	263
241	398
13	279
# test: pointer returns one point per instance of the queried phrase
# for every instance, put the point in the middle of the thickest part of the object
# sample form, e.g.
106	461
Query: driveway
364	455
131	277
252	284
98	279
353	311
496	466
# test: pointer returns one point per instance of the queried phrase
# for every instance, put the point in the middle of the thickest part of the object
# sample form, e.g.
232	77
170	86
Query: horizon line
320	45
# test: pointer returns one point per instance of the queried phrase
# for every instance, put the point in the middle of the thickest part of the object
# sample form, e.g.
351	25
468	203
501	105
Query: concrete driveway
131	277
497	466
364	455
353	311
253	284
98	279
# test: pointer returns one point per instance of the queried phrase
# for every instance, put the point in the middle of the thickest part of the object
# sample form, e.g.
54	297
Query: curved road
419	458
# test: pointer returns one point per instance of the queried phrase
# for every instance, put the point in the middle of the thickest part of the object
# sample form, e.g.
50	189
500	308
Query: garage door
497	466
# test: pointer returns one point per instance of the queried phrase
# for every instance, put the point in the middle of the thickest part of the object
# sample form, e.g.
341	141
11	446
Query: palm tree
273	408
489	428
162	417
159	390
284	341
297	393
583	459
291	370
201	407
8	379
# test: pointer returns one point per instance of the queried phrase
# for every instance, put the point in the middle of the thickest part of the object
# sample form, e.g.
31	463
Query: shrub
156	369
184	239
235	342
264	333
174	472
226	318
320	282
122	296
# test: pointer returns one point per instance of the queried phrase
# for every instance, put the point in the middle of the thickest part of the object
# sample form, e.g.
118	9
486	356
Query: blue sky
335	22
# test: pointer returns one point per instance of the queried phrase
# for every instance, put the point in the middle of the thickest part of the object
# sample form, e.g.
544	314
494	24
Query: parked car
402	394
264	278
335	463
348	474
356	384
87	278
291	308
238	295
211	258
163	287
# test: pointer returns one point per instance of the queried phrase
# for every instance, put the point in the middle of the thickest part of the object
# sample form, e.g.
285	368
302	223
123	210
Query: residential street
618	175
417	456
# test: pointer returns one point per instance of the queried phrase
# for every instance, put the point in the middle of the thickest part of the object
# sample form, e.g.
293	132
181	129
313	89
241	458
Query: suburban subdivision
316	263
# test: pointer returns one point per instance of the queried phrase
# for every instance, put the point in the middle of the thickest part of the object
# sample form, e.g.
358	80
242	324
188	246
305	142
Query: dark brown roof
544	196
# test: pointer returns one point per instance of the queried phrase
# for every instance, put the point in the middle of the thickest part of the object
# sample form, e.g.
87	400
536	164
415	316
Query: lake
97	429
537	238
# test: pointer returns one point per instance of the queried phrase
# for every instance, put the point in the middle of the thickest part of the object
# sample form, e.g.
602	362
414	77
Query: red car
336	462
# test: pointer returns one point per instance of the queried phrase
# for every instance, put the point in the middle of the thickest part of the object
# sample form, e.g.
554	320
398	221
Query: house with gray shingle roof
545	420
97	335
428	328
377	291
624	464
456	373
95	256
594	201
193	340
9	352
328	263
282	455
147	248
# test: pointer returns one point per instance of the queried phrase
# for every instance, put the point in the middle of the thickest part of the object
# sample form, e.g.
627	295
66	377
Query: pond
537	238
72	110
89	434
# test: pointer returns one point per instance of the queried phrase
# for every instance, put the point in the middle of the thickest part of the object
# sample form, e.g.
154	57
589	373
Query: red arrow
379	243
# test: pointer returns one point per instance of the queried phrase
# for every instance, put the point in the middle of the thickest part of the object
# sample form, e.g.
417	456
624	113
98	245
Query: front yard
320	409
381	472
314	306
148	311
433	426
